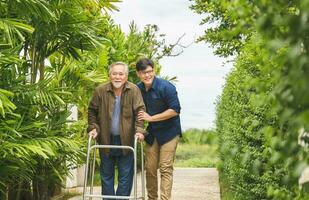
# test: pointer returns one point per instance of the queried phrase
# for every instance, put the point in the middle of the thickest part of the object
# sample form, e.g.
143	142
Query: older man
112	119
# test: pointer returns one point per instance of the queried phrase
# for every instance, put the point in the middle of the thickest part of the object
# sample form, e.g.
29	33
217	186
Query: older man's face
118	76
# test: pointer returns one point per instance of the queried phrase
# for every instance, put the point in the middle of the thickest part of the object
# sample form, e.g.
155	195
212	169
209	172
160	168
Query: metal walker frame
134	150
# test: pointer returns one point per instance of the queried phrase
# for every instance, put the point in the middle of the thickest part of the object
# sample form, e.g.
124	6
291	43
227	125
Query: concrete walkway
189	184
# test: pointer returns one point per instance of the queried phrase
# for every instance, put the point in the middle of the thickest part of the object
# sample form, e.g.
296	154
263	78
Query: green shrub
264	108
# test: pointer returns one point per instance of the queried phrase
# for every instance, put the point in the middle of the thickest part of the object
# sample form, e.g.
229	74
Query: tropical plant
37	147
52	55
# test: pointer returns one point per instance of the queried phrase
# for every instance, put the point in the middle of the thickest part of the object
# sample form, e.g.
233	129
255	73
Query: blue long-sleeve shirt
161	96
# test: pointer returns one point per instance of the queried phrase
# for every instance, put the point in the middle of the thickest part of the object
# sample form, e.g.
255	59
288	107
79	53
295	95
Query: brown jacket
101	108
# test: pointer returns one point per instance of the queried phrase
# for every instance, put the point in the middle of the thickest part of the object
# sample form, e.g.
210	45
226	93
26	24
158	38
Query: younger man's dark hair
143	63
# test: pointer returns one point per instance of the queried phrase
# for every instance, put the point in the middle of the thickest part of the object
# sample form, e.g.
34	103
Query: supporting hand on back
142	115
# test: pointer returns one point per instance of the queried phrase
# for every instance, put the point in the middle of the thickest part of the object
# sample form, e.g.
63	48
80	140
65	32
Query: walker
134	150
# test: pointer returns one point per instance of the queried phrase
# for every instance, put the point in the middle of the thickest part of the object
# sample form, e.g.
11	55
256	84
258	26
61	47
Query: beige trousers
161	157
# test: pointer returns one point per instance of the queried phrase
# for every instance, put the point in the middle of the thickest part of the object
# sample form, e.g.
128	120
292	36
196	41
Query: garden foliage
52	55
263	112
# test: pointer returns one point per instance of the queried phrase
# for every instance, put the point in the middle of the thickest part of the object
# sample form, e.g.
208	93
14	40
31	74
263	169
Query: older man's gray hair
118	63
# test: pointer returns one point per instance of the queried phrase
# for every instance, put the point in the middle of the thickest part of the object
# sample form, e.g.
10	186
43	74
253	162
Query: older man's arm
93	108
138	105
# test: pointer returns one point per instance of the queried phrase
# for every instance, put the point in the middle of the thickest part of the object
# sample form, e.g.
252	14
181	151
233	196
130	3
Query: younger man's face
146	76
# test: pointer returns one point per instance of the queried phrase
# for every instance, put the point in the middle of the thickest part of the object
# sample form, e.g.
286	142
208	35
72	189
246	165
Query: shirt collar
153	85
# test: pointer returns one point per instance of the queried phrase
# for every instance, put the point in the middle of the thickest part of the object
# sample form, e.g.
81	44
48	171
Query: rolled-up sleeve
171	98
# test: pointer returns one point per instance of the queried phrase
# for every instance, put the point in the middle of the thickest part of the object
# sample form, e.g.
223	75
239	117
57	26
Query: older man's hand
140	137
93	133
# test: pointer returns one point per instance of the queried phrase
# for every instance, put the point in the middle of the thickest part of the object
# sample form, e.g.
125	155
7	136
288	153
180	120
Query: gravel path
189	184
196	184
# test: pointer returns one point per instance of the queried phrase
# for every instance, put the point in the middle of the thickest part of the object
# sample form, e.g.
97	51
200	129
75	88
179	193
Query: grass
196	155
97	178
197	148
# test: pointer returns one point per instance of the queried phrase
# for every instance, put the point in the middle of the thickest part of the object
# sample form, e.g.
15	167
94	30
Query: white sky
199	72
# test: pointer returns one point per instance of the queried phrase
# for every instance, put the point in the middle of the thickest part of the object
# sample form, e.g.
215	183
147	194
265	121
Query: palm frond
41	94
40	9
108	5
8	58
6	105
12	30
